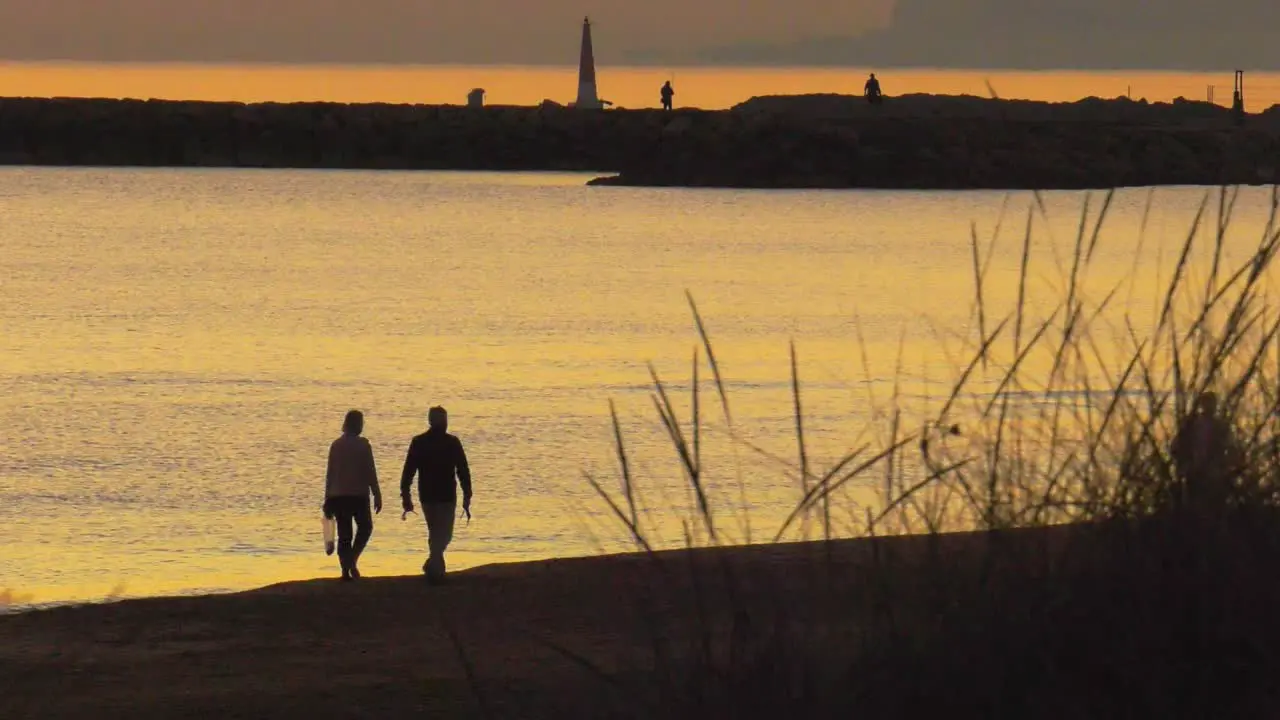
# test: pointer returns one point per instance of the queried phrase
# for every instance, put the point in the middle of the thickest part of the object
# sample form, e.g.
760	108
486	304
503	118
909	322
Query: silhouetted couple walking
435	457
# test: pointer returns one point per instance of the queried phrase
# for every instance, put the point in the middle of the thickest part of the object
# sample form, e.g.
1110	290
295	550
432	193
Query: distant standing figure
440	463
668	96
872	90
350	478
1204	454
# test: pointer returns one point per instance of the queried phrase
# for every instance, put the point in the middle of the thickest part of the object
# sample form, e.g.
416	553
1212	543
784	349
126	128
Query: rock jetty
923	142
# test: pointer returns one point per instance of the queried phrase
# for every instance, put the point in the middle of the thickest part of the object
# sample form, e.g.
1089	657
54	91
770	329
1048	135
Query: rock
678	126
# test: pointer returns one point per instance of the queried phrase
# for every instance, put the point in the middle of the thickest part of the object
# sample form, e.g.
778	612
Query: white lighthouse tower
588	98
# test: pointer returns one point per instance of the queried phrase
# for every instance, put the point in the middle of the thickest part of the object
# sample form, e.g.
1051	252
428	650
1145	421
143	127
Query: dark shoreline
389	647
912	142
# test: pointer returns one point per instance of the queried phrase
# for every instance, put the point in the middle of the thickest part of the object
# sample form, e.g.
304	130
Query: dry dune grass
1107	581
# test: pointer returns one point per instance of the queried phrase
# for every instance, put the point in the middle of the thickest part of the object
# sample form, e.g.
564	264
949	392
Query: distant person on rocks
1204	455
872	90
440	463
350	478
668	96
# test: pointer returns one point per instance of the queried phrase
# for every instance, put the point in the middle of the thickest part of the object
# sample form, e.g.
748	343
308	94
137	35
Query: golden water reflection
178	347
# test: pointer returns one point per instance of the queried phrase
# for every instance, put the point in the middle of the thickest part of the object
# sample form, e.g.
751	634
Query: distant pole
1237	97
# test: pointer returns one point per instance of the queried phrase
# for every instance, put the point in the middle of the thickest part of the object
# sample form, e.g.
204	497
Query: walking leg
440	518
364	531
345	518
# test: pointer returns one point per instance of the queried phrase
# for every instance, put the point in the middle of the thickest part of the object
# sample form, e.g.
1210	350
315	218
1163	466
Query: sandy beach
532	639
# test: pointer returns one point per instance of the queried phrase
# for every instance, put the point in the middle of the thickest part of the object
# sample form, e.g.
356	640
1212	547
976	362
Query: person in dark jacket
1205	456
350	478
872	90
440	463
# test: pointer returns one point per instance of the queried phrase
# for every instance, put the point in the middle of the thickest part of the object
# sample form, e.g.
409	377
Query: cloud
1084	34
471	31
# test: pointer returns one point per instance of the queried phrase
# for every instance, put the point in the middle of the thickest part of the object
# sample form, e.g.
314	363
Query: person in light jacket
350	479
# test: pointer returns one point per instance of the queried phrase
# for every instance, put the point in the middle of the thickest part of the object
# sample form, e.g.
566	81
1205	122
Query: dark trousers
350	510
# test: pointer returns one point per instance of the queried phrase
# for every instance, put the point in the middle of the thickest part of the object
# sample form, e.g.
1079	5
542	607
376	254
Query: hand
377	505
466	506
407	504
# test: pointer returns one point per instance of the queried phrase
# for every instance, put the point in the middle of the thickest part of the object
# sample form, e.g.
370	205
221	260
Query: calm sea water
635	87
178	347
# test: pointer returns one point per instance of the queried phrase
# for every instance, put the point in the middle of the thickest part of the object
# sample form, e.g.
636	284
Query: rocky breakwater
820	141
927	142
75	131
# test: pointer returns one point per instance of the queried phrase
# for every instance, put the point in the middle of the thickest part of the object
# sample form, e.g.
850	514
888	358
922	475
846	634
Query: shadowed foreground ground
382	647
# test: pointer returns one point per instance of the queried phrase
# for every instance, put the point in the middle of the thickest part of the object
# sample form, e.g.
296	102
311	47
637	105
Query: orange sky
628	87
407	30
